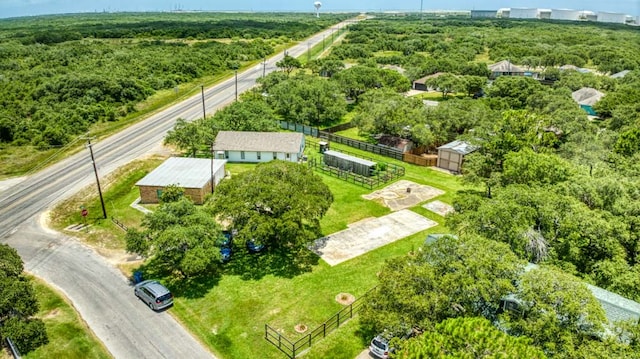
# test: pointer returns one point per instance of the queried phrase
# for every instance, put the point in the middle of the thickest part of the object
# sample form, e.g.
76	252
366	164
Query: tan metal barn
195	175
451	155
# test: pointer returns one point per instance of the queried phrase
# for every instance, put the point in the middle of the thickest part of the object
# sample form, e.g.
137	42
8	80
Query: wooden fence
294	348
427	161
338	128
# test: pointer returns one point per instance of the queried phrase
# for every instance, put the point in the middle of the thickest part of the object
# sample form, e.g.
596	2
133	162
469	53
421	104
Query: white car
380	347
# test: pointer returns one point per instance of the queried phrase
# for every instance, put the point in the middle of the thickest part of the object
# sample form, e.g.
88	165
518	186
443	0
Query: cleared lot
369	234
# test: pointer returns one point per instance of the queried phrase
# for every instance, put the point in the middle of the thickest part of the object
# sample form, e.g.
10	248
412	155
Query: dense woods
62	74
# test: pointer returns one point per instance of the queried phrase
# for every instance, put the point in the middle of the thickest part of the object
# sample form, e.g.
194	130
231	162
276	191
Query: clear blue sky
13	8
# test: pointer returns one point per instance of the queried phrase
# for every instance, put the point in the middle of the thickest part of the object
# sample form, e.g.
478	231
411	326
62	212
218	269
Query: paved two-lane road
100	293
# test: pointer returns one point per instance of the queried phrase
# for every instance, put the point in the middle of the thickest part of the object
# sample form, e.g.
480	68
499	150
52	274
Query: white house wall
252	156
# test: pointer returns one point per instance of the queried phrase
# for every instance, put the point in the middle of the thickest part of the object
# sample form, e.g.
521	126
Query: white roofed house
197	176
254	147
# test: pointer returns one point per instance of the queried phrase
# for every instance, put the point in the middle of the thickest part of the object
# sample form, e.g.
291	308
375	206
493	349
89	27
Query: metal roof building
249	146
195	175
451	155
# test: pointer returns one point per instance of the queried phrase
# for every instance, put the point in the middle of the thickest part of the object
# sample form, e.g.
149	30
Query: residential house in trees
254	147
198	177
421	83
505	68
586	97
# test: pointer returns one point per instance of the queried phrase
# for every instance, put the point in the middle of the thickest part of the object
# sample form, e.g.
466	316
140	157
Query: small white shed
451	155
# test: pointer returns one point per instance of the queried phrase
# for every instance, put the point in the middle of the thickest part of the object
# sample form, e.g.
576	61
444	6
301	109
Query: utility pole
264	67
95	170
323	42
421	16
308	53
204	111
236	72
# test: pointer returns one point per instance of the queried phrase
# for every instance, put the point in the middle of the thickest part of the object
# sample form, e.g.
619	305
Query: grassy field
69	336
228	311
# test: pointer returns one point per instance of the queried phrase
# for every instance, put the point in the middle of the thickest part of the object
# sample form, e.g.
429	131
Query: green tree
531	168
385	111
288	64
278	204
251	113
467	338
309	100
357	80
472	84
18	304
327	66
560	312
628	143
447	278
181	236
515	89
189	136
445	83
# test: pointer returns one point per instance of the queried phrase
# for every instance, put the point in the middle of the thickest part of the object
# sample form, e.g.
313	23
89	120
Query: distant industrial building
565	14
484	14
612	17
504	13
544	14
523	13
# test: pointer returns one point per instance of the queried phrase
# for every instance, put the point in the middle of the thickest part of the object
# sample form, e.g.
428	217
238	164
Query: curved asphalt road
100	293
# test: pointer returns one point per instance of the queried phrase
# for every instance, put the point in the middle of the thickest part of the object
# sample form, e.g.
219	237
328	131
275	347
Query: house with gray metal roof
505	68
198	177
451	155
586	97
247	146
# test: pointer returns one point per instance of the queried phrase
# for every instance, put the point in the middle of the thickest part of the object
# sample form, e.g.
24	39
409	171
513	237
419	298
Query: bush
27	334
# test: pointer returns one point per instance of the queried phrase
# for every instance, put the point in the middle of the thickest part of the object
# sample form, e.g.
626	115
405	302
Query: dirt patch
403	194
439	208
345	298
301	328
52	314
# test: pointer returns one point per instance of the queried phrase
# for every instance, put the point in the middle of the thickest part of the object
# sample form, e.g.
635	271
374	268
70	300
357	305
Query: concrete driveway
369	234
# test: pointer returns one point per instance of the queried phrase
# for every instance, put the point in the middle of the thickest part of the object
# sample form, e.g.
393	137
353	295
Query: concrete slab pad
403	194
438	207
369	234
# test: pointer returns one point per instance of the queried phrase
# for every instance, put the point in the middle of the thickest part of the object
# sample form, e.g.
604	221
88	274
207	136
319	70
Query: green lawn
228	311
229	315
69	336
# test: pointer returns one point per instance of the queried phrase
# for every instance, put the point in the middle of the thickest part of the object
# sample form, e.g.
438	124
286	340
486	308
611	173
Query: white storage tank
523	13
565	14
612	17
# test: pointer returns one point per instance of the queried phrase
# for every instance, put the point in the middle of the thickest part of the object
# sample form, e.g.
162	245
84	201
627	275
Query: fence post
309	340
